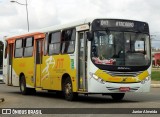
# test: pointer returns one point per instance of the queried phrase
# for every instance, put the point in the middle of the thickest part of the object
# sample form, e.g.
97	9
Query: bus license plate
124	89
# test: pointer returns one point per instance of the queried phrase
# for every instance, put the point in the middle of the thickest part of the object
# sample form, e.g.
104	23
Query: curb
155	85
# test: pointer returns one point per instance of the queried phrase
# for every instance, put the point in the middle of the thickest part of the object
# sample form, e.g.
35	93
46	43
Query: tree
1	53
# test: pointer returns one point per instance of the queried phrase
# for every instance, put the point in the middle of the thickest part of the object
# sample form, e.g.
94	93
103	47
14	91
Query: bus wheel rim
68	90
22	87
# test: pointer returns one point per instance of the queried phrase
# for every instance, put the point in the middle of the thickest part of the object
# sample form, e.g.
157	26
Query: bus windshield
115	48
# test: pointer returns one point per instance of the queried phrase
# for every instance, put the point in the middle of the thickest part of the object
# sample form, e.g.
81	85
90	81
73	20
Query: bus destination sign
116	23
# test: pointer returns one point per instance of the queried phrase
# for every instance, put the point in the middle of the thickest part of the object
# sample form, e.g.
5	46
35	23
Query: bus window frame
49	43
74	40
25	45
18	48
46	44
6	49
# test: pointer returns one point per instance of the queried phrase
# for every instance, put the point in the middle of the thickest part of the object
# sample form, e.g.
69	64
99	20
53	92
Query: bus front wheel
117	96
68	91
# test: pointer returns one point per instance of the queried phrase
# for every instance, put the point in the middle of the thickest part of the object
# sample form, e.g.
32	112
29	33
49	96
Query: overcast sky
44	13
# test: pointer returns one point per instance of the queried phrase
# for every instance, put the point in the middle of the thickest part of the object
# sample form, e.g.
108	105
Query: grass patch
155	75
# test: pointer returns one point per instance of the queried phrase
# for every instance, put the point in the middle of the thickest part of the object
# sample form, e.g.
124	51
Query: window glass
46	44
28	51
29	42
19	48
55	37
55	45
73	34
19	43
28	47
54	48
68	47
120	48
68	40
19	52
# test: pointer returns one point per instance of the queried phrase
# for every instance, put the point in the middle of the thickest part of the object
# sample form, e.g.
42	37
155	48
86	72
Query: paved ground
155	84
13	99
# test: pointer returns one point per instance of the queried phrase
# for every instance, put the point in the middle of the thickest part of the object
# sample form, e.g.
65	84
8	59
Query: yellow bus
91	56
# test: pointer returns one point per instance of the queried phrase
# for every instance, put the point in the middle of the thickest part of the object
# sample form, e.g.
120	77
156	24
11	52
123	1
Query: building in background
156	58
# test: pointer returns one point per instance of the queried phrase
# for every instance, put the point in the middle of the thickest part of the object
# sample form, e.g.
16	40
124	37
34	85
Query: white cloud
43	13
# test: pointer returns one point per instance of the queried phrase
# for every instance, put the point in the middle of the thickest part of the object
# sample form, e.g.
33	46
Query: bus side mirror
89	36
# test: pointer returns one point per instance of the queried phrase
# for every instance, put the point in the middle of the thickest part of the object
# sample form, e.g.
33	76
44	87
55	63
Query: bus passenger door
38	62
82	61
10	62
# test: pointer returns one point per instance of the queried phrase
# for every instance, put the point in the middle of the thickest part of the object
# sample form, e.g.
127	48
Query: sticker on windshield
105	62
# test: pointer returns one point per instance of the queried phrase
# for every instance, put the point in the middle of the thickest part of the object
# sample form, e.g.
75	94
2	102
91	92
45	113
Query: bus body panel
54	67
24	66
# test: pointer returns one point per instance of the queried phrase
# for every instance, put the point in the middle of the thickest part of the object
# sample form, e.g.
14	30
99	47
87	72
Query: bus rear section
18	59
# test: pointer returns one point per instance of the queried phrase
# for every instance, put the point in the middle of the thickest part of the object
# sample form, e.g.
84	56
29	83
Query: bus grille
133	89
113	73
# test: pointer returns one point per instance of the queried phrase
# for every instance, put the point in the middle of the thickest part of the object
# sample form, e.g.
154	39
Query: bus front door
38	62
10	62
82	61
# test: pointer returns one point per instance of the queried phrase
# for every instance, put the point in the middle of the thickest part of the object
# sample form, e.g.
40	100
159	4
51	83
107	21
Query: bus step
38	88
82	90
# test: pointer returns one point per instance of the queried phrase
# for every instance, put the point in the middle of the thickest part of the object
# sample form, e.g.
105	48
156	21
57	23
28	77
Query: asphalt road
43	99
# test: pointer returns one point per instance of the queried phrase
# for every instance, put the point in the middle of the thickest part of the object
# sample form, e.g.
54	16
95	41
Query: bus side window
68	40
54	43
28	47
19	48
46	44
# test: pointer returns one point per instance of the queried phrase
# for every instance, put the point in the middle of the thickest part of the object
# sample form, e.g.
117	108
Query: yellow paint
25	66
47	76
126	79
49	73
38	89
52	77
38	75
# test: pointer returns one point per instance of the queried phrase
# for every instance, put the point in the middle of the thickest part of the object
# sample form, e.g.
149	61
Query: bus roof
68	25
23	35
59	27
52	28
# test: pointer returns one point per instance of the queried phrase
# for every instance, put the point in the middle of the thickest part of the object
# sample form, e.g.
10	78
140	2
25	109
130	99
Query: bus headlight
97	78
146	79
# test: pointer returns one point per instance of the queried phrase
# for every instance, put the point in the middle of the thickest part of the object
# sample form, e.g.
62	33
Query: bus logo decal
59	63
49	61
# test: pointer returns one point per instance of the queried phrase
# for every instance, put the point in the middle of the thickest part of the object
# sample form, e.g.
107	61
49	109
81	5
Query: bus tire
68	90
32	91
24	90
117	96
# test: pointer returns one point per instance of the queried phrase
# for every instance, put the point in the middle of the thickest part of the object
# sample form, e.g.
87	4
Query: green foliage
1	53
155	75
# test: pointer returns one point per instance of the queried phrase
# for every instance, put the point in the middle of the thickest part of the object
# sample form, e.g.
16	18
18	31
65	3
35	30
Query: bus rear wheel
68	90
24	90
117	96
